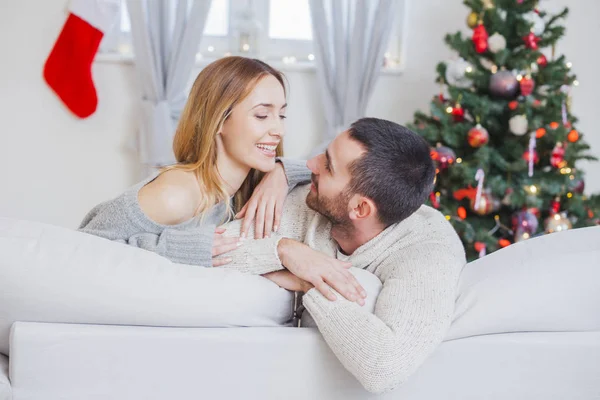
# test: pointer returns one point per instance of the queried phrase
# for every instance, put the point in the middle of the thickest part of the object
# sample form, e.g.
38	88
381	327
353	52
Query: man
365	207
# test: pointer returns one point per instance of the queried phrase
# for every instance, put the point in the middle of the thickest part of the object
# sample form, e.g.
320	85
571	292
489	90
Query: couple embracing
316	228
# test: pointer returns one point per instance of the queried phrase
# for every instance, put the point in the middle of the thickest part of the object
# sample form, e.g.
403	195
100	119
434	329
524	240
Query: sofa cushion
53	274
548	283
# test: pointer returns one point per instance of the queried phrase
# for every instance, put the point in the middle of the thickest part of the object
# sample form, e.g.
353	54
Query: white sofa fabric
545	284
50	274
74	362
53	274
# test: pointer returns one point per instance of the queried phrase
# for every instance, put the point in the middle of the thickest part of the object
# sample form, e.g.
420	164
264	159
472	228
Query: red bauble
480	39
479	246
540	133
434	198
487	203
555	206
504	243
531	41
527	86
557	157
458	113
573	136
527	156
513	105
542	61
478	136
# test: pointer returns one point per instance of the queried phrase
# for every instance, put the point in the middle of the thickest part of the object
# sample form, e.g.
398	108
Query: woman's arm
265	207
296	171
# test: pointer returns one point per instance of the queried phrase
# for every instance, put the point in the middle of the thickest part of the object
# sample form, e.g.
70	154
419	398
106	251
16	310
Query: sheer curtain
350	37
166	35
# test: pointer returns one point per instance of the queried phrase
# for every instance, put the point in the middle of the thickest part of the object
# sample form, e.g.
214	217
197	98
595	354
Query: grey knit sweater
122	220
418	260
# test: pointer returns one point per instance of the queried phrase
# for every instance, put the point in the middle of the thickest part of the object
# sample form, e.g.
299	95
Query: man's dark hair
396	171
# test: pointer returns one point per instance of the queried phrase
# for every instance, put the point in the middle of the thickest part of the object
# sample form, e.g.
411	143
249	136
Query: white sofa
84	318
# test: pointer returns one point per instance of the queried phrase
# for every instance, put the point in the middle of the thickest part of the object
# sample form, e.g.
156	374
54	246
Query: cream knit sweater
418	261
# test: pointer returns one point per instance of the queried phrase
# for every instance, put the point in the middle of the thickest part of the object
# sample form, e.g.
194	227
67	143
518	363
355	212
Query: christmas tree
502	134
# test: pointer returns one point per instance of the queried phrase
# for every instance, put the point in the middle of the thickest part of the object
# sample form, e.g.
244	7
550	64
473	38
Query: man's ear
361	207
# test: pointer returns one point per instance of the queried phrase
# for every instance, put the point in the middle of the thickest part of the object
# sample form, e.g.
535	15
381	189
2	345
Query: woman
228	136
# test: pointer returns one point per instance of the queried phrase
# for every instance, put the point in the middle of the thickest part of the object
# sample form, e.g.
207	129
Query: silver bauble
504	84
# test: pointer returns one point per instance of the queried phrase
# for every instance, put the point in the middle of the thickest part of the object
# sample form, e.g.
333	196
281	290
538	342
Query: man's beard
334	209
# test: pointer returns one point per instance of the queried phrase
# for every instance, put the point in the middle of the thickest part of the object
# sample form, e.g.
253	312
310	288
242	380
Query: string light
448	217
469	69
565	171
569	195
246	47
569	64
311	57
211	49
494	69
519	77
572	177
458	160
532	189
449	110
575	83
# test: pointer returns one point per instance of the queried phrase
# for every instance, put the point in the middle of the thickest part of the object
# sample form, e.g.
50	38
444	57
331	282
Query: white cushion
549	283
53	274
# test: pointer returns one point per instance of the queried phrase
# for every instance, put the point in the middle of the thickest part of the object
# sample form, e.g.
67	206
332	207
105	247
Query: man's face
330	178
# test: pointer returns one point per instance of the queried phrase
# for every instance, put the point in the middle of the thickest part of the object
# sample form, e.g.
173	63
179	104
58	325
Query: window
274	30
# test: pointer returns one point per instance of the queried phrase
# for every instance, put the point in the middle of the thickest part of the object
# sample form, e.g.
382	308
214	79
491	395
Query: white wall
54	167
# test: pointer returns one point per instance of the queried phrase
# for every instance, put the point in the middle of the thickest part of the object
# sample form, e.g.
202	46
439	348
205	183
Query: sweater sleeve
256	256
260	256
412	314
192	247
189	246
296	171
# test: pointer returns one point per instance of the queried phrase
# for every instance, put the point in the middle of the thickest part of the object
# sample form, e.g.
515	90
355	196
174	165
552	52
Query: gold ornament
487	4
558	223
472	20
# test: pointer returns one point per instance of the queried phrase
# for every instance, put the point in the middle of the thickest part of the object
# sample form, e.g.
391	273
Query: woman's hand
222	245
289	281
266	204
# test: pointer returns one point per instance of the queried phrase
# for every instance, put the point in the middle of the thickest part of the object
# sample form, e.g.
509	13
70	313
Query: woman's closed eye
263	117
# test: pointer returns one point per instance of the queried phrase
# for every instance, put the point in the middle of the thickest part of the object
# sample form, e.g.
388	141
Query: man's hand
320	270
289	281
266	204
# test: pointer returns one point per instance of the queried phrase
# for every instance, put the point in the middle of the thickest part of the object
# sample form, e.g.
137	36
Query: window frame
117	46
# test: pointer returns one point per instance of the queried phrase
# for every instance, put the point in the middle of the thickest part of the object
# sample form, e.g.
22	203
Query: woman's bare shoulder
171	198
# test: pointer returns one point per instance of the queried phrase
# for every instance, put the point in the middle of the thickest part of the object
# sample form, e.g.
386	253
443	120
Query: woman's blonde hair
219	87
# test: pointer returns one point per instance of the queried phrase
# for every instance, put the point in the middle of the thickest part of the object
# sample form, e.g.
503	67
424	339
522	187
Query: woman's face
256	126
